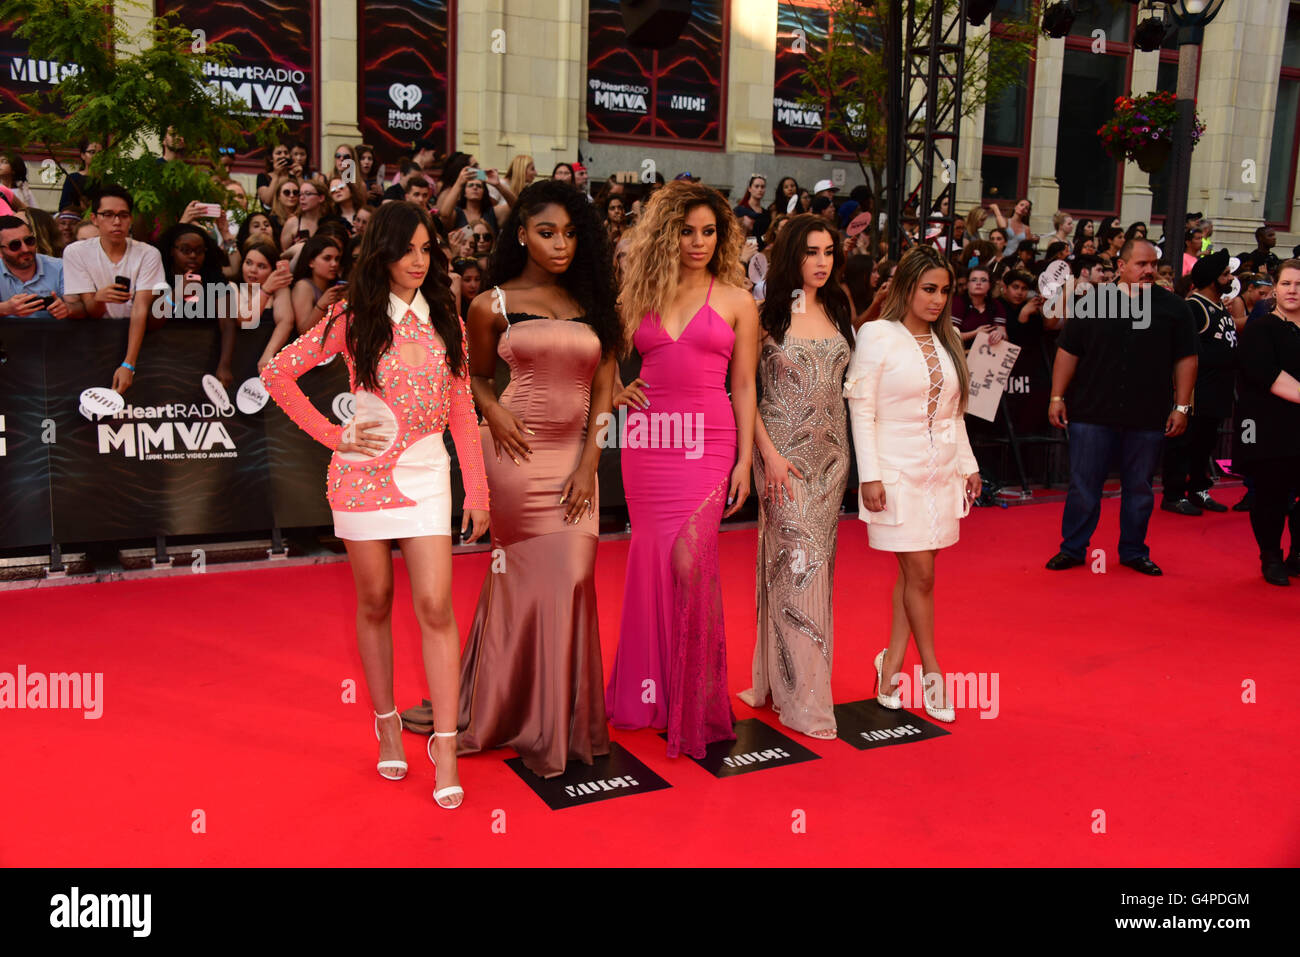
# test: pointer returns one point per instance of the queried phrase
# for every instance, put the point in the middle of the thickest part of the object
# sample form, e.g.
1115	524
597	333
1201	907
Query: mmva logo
145	439
405	96
270	98
627	102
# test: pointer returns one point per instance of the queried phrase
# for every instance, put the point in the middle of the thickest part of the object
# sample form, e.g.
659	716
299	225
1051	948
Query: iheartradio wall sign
272	70
405	70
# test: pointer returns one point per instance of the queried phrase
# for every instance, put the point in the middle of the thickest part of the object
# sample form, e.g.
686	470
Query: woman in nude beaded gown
800	473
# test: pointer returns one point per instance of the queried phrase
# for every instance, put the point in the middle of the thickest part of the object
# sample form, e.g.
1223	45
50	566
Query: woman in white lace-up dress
907	386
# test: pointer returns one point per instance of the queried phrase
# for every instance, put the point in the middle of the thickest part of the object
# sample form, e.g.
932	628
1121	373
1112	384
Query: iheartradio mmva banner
179	457
672	94
272	71
803	32
405	74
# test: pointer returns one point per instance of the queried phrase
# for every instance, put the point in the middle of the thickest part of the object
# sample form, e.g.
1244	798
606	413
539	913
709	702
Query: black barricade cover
173	462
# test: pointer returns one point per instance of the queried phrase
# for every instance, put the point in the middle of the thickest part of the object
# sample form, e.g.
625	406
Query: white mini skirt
422	473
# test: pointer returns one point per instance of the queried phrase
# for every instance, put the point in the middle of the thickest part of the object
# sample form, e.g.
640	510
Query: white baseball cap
823	184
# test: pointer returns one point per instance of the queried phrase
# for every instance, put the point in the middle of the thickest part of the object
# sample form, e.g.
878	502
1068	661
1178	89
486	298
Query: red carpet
1118	693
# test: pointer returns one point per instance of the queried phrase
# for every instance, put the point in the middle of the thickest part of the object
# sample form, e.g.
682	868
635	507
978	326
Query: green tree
125	93
850	74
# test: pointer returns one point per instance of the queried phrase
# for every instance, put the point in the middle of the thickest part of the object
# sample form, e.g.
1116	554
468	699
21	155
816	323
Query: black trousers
1187	457
1276	486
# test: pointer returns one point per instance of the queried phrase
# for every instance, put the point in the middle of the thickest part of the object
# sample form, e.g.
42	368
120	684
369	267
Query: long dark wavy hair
370	331
785	275
590	276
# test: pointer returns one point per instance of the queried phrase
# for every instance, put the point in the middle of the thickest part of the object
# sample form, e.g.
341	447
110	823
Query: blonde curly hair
652	265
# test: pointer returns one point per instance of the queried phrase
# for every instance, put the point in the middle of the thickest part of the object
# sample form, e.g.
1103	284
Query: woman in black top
1266	442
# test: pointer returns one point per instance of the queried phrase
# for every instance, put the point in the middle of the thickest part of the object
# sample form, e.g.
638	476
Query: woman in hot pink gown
687	449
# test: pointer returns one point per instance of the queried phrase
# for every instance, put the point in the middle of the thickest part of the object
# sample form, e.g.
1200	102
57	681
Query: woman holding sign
907	387
390	477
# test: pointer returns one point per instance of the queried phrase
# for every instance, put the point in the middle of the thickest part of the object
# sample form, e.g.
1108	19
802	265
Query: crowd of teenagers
764	343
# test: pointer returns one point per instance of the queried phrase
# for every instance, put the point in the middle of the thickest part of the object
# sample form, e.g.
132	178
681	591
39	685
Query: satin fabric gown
531	670
670	670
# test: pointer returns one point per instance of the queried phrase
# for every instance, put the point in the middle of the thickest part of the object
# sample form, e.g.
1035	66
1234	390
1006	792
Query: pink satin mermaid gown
670	670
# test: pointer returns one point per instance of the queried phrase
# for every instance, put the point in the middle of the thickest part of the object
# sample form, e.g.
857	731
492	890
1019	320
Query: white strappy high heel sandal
399	765
446	792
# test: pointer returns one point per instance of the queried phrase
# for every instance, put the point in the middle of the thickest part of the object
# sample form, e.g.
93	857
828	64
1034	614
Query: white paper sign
216	392
252	396
99	400
990	366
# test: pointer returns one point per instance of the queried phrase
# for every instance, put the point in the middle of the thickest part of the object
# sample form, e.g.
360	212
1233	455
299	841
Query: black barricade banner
174	461
25	431
181	457
405	75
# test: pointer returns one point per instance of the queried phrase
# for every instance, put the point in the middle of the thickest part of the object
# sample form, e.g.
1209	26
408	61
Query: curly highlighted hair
652	266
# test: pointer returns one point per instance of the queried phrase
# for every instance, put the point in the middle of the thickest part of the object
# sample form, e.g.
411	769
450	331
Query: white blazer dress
922	464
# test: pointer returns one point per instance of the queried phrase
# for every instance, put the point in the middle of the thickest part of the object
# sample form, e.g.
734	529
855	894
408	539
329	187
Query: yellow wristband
1058	398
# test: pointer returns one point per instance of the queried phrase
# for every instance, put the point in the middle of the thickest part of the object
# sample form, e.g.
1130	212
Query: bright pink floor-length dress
670	670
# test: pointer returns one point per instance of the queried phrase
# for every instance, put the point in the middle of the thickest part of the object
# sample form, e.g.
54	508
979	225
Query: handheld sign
252	396
990	366
98	400
757	268
216	392
1053	278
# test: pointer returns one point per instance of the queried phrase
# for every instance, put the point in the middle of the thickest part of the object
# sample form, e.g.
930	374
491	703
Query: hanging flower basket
1152	156
1142	129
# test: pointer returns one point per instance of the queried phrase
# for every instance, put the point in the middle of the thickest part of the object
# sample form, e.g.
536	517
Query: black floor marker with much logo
867	724
617	774
758	746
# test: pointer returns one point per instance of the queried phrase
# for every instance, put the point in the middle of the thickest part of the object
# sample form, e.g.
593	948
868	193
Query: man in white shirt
92	269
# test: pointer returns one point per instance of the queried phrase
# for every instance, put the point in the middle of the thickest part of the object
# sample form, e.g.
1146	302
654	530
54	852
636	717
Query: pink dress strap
710	292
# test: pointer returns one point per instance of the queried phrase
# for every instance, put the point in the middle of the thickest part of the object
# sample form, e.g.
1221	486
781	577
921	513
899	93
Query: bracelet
127	365
1058	398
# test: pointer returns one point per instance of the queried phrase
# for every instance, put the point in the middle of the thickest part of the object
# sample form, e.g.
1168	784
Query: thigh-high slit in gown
670	670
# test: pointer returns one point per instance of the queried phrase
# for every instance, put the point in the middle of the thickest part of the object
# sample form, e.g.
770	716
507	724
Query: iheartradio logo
405	95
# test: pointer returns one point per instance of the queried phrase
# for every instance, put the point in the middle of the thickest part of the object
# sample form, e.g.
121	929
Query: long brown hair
785	276
916	262
652	265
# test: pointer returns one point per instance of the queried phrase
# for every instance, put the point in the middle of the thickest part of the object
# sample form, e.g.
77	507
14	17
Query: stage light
977	11
1057	19
1149	35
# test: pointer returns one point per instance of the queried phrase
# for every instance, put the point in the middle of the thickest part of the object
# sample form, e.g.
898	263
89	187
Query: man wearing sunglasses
92	269
31	285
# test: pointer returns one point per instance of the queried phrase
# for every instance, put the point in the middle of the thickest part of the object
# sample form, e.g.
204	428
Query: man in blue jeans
1115	366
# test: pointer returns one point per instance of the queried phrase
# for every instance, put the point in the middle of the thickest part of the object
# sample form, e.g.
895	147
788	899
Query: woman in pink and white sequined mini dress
390	477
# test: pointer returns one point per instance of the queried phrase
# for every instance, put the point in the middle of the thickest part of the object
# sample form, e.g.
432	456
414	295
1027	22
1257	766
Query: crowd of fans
291	244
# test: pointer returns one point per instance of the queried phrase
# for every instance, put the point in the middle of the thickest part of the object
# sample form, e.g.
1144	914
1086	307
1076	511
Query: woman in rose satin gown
699	324
531	670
